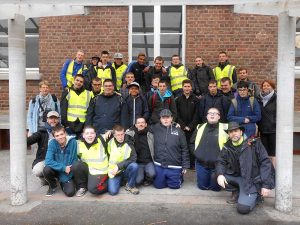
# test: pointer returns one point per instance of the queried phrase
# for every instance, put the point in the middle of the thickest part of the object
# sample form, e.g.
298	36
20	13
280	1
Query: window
157	30
32	43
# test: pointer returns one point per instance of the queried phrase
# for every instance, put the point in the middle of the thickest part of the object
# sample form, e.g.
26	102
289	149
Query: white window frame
157	31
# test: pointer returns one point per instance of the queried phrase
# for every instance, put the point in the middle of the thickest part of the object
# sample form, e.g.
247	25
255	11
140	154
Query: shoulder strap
55	101
153	98
251	99
234	103
33	100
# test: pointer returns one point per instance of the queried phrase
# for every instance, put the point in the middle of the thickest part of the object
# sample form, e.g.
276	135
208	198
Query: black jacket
139	76
170	147
152	71
187	111
255	166
200	77
267	124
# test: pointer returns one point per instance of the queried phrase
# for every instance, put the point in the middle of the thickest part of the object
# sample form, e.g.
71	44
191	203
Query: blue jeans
145	169
167	177
206	178
130	173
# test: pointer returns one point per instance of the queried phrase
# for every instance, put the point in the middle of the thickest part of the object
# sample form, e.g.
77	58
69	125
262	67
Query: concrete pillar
285	112
17	109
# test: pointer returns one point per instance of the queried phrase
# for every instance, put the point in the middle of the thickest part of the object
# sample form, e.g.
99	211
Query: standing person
153	87
42	137
122	162
245	110
177	73
39	106
120	69
171	154
61	154
106	110
91	73
244	76
144	146
187	113
201	74
139	68
136	105
105	69
224	69
206	144
90	172
157	70
96	86
244	165
74	104
71	68
229	93
267	125
162	99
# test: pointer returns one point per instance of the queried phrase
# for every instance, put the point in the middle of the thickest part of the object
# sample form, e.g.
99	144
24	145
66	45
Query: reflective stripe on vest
117	155
177	76
69	75
226	72
77	105
119	74
95	157
222	136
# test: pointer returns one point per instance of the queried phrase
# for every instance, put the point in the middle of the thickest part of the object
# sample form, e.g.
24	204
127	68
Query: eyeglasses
213	113
243	89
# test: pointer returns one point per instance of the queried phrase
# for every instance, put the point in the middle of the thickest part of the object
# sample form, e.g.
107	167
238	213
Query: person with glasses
245	110
106	109
206	143
96	86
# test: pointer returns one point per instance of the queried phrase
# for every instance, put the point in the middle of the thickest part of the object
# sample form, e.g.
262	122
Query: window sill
31	74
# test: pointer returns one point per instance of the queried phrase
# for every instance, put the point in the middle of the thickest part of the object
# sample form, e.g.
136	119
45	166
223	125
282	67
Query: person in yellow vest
207	141
177	73
71	68
105	69
224	69
74	103
120	68
91	72
90	172
122	162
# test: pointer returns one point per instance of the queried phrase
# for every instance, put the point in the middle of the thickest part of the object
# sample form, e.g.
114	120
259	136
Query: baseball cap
133	84
118	55
53	113
165	113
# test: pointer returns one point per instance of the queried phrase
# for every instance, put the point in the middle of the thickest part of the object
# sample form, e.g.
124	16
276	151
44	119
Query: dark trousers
96	184
51	175
188	135
206	178
145	169
167	177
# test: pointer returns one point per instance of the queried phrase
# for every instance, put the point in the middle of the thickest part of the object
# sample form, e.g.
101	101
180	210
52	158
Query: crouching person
90	172
61	154
122	162
245	166
171	154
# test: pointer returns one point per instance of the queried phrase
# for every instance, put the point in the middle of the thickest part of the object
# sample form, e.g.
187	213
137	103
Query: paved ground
187	205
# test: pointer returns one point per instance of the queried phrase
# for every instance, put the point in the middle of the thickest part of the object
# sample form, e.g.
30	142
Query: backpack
153	98
234	103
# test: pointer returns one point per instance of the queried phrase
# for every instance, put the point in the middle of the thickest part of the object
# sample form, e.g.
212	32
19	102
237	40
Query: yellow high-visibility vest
119	74
77	105
222	137
69	75
95	157
104	74
177	76
117	155
226	72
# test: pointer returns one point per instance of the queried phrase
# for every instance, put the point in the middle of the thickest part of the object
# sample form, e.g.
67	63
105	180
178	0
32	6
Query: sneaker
147	183
132	190
81	192
50	191
234	198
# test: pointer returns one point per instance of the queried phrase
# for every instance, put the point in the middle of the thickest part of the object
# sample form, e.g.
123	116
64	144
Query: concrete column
285	112
17	109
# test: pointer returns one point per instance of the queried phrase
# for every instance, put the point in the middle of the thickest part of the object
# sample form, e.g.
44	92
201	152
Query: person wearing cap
206	144
71	68
243	166
171	154
120	68
91	73
136	105
245	109
42	137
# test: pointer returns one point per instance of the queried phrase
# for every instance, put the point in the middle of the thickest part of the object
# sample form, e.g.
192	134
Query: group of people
146	125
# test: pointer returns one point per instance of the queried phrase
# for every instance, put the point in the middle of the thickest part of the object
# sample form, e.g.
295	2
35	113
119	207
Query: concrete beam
285	112
17	109
8	11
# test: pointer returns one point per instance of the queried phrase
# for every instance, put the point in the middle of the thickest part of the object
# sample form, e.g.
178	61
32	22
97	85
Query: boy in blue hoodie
61	154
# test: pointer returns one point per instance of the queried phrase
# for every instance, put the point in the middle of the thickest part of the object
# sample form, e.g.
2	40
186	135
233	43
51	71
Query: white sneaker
81	192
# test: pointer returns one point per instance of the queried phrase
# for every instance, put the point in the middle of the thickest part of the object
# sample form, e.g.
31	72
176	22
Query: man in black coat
245	165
